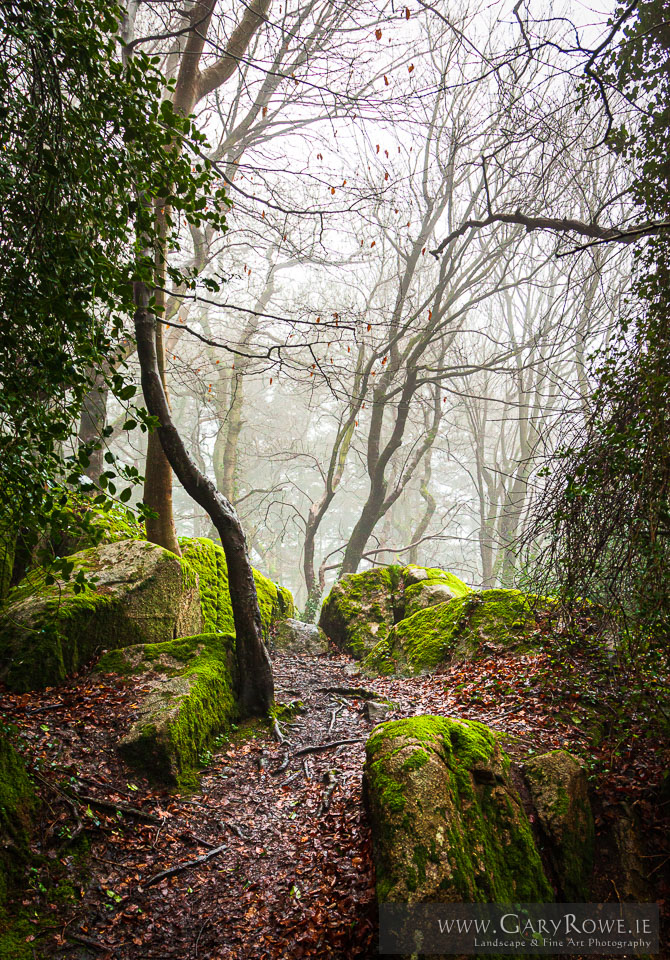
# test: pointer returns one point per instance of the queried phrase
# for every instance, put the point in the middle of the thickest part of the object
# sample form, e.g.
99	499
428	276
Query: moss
450	827
208	560
432	591
18	805
48	631
455	630
558	789
14	931
192	703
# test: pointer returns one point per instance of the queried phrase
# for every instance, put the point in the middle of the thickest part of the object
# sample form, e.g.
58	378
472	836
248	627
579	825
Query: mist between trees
359	390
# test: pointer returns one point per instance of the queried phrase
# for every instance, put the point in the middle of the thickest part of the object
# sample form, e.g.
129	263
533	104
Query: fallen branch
68	801
325	746
180	867
90	942
333	718
123	807
360	692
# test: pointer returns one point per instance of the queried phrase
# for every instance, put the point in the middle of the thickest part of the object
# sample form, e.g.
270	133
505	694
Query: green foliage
84	137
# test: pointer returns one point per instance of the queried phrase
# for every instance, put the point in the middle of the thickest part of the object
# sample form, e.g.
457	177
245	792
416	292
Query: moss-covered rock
143	594
191	699
559	791
447	824
209	562
457	629
362	608
18	806
428	593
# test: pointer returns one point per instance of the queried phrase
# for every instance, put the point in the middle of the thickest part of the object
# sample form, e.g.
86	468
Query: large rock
191	698
362	608
143	594
303	639
489	621
447	824
559	792
209	562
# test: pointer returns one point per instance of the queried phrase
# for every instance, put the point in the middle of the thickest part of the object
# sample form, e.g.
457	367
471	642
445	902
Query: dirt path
292	879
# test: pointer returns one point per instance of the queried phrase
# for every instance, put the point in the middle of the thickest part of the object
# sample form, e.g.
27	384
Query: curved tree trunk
256	693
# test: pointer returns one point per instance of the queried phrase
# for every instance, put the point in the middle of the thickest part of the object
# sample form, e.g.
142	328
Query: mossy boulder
209	562
143	594
492	620
362	608
301	639
447	824
559	792
18	807
191	698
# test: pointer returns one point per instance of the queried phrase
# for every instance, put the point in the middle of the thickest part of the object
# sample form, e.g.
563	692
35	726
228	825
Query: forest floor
289	873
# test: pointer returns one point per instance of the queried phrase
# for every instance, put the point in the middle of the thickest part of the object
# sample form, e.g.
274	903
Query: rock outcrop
362	608
447	822
559	793
191	698
143	594
491	621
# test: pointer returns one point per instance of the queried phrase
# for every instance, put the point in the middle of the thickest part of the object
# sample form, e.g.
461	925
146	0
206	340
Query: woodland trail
286	867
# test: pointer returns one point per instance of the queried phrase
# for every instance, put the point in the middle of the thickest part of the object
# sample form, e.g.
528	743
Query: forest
335	479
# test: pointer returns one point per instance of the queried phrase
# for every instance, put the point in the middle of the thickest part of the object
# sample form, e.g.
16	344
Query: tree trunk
256	692
91	425
429	510
158	475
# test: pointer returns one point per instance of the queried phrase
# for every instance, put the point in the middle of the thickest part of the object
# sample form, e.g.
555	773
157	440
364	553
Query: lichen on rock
490	620
142	594
447	823
559	792
362	608
192	683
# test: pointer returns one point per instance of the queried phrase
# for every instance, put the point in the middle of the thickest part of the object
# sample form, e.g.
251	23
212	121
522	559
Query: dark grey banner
522	929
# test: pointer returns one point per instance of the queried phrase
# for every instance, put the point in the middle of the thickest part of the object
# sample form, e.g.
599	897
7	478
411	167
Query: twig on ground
186	865
360	692
123	807
90	942
333	717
